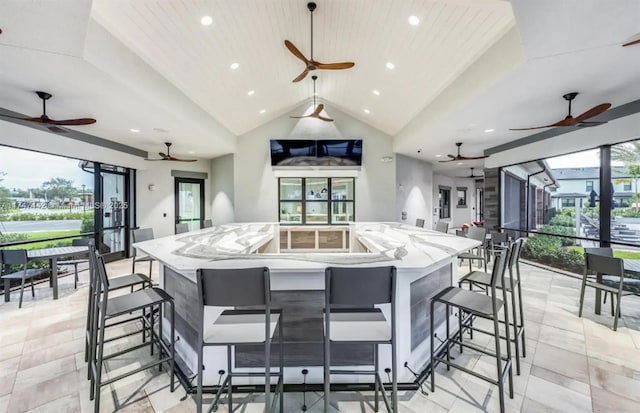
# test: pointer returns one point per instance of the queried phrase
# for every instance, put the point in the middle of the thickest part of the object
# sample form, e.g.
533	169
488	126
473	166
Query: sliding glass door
189	196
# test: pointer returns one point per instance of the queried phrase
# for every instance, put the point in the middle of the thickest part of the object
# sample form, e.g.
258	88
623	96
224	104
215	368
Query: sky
578	160
27	169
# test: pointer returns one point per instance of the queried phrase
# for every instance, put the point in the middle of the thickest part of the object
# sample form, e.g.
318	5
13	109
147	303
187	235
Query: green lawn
44	235
629	255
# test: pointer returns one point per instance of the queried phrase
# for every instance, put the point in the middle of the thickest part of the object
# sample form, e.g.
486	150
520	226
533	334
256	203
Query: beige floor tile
561	361
556	396
615	383
532	406
565	339
35	358
66	404
606	402
4	403
47	371
28	398
561	380
11	351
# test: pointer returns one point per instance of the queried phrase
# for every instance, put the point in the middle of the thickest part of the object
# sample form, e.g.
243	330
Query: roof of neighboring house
588	173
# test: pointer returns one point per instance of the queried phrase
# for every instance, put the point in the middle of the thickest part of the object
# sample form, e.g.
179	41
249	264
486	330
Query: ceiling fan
471	176
168	157
459	157
635	40
580	120
311	64
317	109
52	123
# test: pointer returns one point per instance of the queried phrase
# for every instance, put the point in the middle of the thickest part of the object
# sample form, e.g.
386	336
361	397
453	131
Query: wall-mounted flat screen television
344	152
290	152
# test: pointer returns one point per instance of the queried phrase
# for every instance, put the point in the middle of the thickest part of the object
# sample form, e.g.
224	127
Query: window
589	185
568	202
626	186
316	200
444	202
462	197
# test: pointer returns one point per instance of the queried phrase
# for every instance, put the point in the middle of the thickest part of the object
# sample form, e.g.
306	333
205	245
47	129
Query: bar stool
478	305
78	242
442	226
106	308
513	286
115	283
182	228
207	223
478	234
141	235
17	257
232	288
356	291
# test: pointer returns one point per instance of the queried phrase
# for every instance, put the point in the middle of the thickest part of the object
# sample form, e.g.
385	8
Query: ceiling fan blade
536	127
319	109
302	75
71	122
171	158
149	159
294	50
163	155
472	158
452	156
590	124
324	119
594	111
334	66
450	160
631	43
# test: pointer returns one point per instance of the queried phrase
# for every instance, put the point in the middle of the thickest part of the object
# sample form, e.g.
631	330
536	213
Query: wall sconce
151	187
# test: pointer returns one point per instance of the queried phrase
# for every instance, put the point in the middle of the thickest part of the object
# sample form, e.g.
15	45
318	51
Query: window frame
462	189
329	202
588	186
441	205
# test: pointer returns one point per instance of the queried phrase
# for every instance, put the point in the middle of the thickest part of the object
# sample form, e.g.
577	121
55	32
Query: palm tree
629	154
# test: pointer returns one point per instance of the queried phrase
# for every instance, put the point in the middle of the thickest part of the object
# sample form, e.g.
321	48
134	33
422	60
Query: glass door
113	207
189	196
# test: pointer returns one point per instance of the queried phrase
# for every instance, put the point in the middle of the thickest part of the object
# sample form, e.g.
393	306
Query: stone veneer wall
491	197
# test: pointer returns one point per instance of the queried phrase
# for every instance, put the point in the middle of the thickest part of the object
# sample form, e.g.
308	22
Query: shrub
563	221
568	212
87	225
548	250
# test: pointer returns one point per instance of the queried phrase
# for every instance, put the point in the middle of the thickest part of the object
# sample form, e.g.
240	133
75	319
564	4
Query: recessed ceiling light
488	130
438	156
161	130
262	111
206	20
251	92
234	65
376	92
192	152
390	65
367	111
459	163
134	130
414	20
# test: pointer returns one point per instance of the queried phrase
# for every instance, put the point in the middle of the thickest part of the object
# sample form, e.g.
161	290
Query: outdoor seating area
571	364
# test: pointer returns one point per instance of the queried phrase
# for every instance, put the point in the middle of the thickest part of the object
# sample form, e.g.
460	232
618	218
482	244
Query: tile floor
572	365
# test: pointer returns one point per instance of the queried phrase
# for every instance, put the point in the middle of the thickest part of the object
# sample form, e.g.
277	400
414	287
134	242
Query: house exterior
575	186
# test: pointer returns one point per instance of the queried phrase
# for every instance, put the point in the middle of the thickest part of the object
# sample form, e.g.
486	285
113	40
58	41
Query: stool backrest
420	222
604	251
442	226
207	223
81	242
499	237
182	228
101	278
514	257
477	233
499	267
461	233
360	287
14	257
234	287
142	234
601	264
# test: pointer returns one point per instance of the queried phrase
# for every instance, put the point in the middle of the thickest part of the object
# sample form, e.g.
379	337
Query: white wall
152	205
414	193
222	208
459	216
256	185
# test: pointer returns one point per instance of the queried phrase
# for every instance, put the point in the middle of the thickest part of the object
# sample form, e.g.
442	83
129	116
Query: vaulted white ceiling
469	65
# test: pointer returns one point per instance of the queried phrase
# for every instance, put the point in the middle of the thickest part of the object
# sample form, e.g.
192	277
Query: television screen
340	152
292	152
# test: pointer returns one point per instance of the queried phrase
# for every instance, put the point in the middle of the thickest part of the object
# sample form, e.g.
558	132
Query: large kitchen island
424	260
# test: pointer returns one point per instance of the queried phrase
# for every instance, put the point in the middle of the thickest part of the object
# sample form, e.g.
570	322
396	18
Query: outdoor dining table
53	254
630	266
